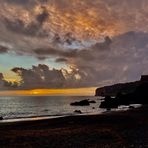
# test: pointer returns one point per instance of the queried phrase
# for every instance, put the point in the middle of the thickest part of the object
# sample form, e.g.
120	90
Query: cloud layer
101	41
42	76
46	23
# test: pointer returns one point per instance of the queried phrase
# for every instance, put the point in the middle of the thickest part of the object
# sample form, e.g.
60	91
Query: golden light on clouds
11	77
83	21
86	19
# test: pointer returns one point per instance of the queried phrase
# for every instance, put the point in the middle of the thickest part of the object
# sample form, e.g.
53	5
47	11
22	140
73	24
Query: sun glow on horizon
51	92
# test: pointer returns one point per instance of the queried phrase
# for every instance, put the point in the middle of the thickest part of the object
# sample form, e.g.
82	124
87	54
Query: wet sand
115	130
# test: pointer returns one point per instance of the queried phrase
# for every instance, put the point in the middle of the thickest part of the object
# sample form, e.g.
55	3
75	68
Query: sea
38	107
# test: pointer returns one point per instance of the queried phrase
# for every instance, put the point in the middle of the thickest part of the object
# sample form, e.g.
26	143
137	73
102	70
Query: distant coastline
113	90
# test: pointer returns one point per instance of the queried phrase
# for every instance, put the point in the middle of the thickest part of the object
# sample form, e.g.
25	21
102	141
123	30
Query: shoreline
50	117
44	117
40	119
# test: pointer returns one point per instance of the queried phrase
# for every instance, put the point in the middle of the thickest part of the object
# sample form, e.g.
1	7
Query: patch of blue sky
9	61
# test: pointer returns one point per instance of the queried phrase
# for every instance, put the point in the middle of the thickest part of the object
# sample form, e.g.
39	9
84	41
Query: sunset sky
72	43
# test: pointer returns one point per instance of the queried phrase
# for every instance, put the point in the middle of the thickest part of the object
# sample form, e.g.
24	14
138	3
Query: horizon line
88	91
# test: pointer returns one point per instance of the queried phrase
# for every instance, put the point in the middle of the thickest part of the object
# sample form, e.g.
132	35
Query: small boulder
81	103
78	111
1	118
131	107
92	101
109	103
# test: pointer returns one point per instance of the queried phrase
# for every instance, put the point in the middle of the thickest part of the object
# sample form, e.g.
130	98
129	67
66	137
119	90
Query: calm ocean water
52	106
32	106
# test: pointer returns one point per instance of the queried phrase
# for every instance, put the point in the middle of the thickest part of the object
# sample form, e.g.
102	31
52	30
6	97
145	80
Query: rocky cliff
114	89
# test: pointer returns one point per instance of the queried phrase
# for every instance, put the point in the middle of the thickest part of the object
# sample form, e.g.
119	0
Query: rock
108	109
124	99
81	103
141	93
126	94
1	118
78	111
114	89
139	96
92	101
109	103
131	107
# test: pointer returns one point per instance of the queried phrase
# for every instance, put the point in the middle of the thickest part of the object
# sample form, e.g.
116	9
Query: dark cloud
138	40
57	39
1	77
3	49
55	52
103	46
42	77
32	29
5	84
59	60
18	70
68	39
24	3
42	17
78	24
72	53
1	81
49	51
120	59
112	61
125	61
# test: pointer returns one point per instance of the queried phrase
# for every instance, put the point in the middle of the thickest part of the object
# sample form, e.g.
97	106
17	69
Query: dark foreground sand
116	130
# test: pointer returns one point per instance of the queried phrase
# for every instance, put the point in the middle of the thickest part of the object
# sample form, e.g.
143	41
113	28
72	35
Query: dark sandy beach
116	130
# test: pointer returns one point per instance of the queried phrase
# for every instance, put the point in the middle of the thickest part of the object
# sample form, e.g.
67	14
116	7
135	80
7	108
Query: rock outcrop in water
109	102
83	103
92	101
78	111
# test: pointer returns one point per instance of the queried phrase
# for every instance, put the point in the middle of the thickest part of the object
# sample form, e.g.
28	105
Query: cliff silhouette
137	96
113	90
